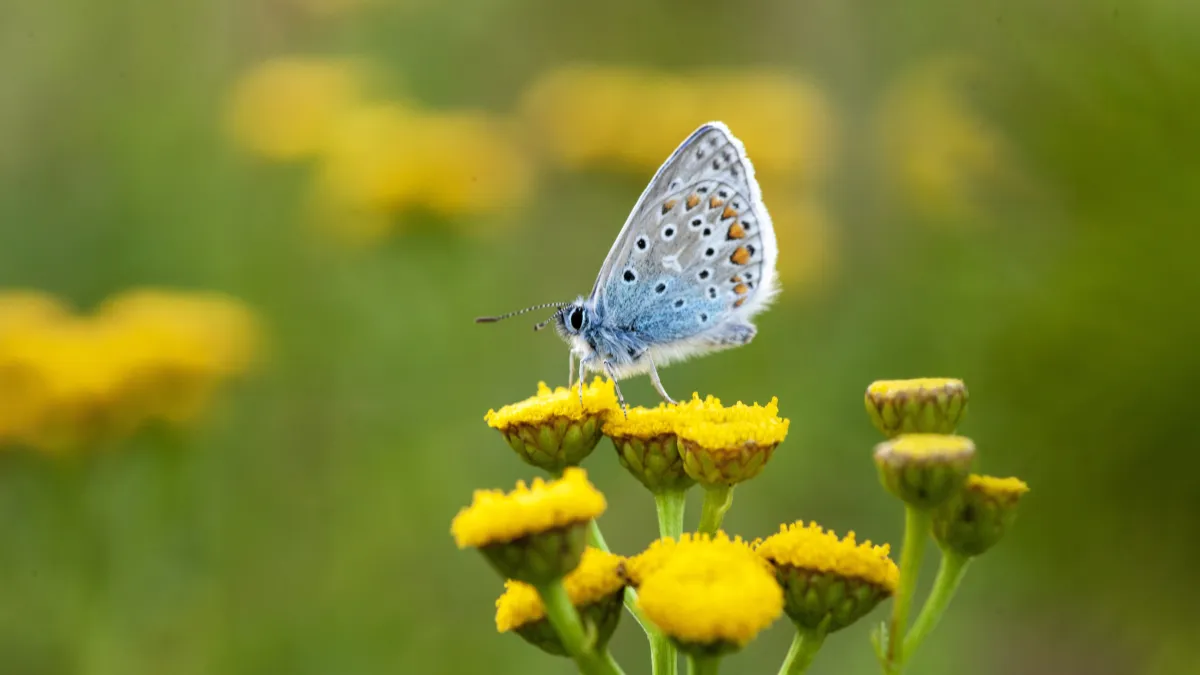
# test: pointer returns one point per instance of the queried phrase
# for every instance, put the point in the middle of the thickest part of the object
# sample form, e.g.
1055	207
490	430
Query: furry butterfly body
694	263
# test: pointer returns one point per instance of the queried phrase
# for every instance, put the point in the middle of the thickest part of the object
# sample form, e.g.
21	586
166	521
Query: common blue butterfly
694	263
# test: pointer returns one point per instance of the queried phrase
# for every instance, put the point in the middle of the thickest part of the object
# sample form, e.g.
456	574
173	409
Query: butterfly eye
576	318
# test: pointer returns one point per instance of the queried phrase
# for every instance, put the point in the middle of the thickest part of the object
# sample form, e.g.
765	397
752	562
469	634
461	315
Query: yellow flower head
648	448
924	470
553	430
662	551
285	108
726	445
925	405
495	517
711	598
599	398
595	579
826	578
977	517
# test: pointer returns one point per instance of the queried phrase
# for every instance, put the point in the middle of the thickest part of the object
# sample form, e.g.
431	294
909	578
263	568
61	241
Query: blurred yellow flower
495	517
937	152
594	579
807	239
711	597
285	108
147	355
391	157
631	119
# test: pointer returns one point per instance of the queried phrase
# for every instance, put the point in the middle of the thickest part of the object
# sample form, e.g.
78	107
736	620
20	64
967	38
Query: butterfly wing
696	259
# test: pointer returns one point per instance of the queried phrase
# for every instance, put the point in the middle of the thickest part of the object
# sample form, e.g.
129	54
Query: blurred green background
1002	192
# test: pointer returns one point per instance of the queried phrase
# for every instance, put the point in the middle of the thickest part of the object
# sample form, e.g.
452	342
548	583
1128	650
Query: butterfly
694	263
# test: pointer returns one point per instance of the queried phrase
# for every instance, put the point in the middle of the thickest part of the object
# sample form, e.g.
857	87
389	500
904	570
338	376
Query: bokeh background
242	242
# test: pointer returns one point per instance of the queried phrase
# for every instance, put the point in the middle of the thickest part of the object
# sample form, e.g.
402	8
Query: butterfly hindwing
697	257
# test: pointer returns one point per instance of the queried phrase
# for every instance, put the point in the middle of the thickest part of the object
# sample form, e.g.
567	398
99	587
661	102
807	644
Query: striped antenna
494	319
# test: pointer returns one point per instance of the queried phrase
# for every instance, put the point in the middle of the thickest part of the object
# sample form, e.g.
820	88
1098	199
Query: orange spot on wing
713	202
736	231
668	205
693	200
741	256
739	302
728	212
736	279
741	289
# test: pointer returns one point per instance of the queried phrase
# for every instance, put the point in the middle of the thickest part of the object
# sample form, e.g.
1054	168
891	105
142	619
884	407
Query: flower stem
804	647
570	631
717	501
950	573
916	531
670	506
652	633
703	665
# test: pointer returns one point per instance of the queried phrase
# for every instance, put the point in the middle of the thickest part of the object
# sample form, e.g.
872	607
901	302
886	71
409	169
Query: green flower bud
924	470
920	406
977	517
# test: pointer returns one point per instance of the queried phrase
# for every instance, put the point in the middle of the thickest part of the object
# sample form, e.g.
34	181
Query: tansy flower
977	517
663	550
930	405
711	598
534	534
286	108
825	578
595	589
924	470
648	448
722	445
553	430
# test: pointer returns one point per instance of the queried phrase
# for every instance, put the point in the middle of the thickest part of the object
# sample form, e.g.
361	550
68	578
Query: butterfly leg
658	385
612	375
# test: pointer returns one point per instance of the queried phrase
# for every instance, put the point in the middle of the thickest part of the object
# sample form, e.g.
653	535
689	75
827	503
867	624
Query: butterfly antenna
494	319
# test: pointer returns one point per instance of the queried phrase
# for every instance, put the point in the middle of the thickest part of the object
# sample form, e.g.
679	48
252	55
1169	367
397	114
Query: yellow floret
662	551
811	548
709	424
595	578
997	487
599	398
886	388
496	517
643	422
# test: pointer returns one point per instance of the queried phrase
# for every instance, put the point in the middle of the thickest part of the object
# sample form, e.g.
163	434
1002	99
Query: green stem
659	644
570	631
950	573
670	506
916	531
703	665
805	646
717	501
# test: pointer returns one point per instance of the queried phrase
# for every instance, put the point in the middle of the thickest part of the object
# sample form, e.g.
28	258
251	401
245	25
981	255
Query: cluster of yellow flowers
705	593
143	356
376	158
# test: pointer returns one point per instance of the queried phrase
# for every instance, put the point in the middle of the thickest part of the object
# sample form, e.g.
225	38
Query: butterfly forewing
698	252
